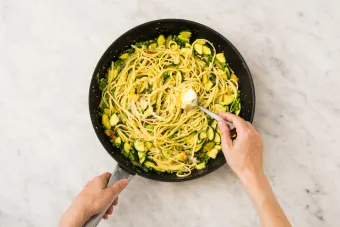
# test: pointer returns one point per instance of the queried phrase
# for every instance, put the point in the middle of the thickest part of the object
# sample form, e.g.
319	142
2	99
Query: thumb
114	190
225	135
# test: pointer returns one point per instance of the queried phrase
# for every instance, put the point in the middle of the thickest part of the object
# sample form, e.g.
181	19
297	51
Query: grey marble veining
48	50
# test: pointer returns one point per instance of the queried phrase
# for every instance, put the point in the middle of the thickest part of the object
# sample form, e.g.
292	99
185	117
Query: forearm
267	207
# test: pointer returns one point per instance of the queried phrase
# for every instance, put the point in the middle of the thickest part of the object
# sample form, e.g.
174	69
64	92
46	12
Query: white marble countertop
48	50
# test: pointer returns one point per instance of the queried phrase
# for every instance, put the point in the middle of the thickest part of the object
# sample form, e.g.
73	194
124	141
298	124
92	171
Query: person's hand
244	154
92	200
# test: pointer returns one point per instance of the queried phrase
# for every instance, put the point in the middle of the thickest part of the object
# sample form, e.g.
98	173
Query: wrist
74	216
251	179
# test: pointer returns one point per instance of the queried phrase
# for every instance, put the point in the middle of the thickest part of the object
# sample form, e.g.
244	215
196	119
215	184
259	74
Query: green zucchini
107	111
219	108
214	124
200	165
106	121
208	146
209	85
148	144
149	164
114	120
206	50
200	41
139	146
124	56
217	138
118	141
181	156
168	40
165	153
203	135
141	157
218	147
227	100
184	36
127	147
221	58
198	147
205	78
227	71
179	76
198	48
161	40
108	132
210	133
212	153
234	77
152	46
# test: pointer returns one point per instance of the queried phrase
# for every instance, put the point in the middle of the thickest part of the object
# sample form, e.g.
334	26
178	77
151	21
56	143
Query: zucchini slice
142	157
238	109
148	144
124	56
168	40
197	148
184	36
161	40
152	46
210	133
209	85
127	147
114	120
219	108
106	121
205	78
186	50
234	77
217	138
218	147
198	48
212	153
200	166
118	141
165	153
221	58
149	164
203	135
173	47
227	100
200	41
208	146
107	111
139	146
206	50
214	124
227	71
181	156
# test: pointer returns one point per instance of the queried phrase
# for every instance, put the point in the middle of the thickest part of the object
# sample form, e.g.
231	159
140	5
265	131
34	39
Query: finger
110	210
225	134
116	188
238	122
115	203
251	126
104	179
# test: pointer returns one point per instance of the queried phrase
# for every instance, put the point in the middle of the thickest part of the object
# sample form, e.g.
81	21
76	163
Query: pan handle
117	175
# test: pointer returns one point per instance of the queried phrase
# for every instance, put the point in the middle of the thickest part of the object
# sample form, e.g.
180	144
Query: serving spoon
189	101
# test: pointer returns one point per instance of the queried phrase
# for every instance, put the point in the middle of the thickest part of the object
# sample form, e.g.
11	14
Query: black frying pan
148	31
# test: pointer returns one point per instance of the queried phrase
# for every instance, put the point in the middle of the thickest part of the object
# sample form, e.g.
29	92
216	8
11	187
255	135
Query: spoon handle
216	117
